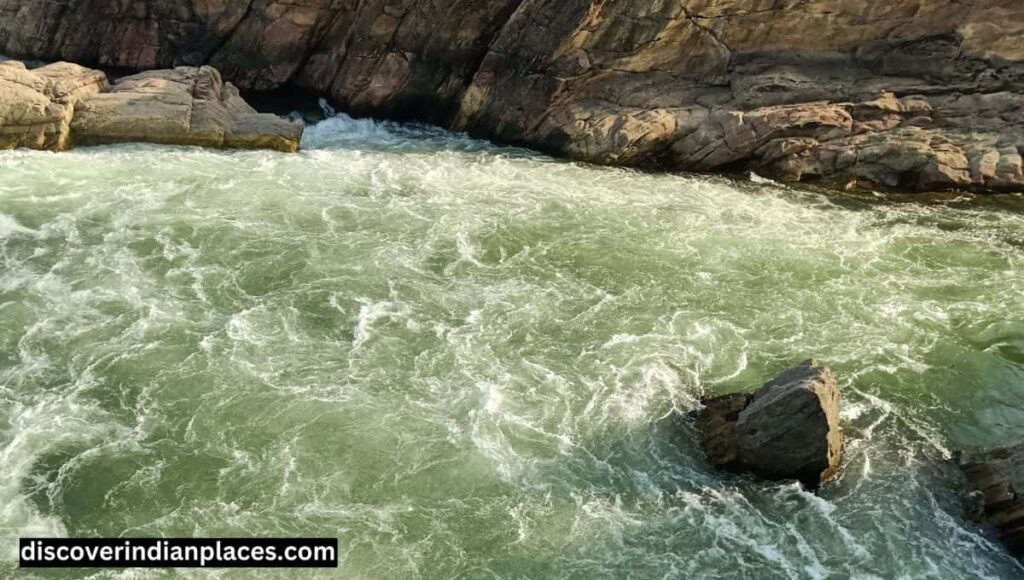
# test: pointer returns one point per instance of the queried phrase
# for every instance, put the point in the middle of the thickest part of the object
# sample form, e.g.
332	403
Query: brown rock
717	425
996	481
902	94
788	429
183	106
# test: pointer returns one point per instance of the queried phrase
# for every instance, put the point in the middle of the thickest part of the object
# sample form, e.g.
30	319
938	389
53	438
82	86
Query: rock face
907	94
185	106
59	104
996	479
36	106
788	429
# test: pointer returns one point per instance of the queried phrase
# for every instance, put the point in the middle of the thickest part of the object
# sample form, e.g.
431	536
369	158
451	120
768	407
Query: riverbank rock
60	104
904	95
788	429
996	482
182	106
36	106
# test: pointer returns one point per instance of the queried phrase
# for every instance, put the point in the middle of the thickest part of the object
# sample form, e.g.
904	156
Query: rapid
467	361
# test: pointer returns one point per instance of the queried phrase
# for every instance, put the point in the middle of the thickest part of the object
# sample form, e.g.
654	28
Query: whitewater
471	361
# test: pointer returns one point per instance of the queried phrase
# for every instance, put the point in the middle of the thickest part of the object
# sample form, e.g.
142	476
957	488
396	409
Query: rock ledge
61	104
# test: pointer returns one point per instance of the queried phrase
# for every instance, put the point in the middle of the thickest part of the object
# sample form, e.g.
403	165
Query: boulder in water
788	429
996	481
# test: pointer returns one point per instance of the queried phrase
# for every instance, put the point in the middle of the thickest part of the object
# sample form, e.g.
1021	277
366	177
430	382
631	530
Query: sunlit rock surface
903	94
36	106
185	106
59	104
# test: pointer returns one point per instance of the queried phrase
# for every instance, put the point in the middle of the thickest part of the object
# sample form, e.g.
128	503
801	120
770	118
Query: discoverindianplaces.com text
178	553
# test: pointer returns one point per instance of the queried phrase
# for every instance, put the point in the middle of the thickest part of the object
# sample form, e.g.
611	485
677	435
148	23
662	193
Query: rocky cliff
910	94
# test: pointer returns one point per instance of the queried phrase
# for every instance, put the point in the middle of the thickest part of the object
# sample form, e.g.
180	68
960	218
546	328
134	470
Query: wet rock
717	425
788	429
183	106
996	497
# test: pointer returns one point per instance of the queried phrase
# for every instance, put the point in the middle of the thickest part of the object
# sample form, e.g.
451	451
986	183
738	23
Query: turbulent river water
463	360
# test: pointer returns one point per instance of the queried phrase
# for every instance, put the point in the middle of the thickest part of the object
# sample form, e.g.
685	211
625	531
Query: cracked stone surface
182	106
36	106
60	104
907	94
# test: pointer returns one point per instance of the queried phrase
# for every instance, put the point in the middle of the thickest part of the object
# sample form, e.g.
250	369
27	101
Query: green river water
463	360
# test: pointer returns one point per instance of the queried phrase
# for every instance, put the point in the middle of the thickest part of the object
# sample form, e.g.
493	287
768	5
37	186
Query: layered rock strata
906	94
36	107
56	105
183	106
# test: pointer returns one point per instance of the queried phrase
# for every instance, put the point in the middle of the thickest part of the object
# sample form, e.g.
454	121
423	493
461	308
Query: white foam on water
460	358
33	431
10	227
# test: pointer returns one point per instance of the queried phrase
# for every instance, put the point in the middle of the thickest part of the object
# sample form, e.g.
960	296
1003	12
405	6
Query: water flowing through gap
460	359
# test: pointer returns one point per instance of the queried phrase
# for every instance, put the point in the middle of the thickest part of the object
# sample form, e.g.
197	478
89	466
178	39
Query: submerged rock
56	105
996	481
788	429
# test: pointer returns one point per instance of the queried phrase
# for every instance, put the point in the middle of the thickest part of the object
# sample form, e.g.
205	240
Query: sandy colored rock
36	106
56	105
788	429
902	94
183	106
